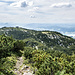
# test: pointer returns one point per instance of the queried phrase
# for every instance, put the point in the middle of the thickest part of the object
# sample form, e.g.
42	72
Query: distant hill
37	52
49	38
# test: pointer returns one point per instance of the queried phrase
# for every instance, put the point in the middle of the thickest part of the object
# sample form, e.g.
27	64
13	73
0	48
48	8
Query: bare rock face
28	73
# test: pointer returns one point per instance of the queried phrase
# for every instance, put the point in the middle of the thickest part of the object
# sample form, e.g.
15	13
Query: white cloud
32	16
3	4
30	3
61	5
34	11
22	3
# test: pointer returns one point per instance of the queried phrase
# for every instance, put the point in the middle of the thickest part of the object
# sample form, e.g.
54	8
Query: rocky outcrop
22	69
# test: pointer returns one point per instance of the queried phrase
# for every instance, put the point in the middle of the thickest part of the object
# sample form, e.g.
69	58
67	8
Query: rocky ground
22	69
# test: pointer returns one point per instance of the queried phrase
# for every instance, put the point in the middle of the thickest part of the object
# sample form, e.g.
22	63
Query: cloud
32	16
22	3
61	5
33	9
3	3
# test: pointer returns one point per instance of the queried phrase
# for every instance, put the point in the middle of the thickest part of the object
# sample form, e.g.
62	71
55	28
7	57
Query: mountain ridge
37	52
50	38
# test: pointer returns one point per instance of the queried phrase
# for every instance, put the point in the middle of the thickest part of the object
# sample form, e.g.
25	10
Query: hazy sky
37	11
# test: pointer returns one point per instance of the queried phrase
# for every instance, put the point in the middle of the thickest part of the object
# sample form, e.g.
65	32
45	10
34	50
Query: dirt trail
22	69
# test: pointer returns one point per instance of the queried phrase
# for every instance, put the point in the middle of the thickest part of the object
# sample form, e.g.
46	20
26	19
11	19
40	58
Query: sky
37	11
55	15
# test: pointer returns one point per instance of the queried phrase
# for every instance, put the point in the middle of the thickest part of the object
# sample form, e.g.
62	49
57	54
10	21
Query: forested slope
45	52
40	39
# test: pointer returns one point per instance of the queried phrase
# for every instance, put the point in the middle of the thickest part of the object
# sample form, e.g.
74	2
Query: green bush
6	46
18	45
28	52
